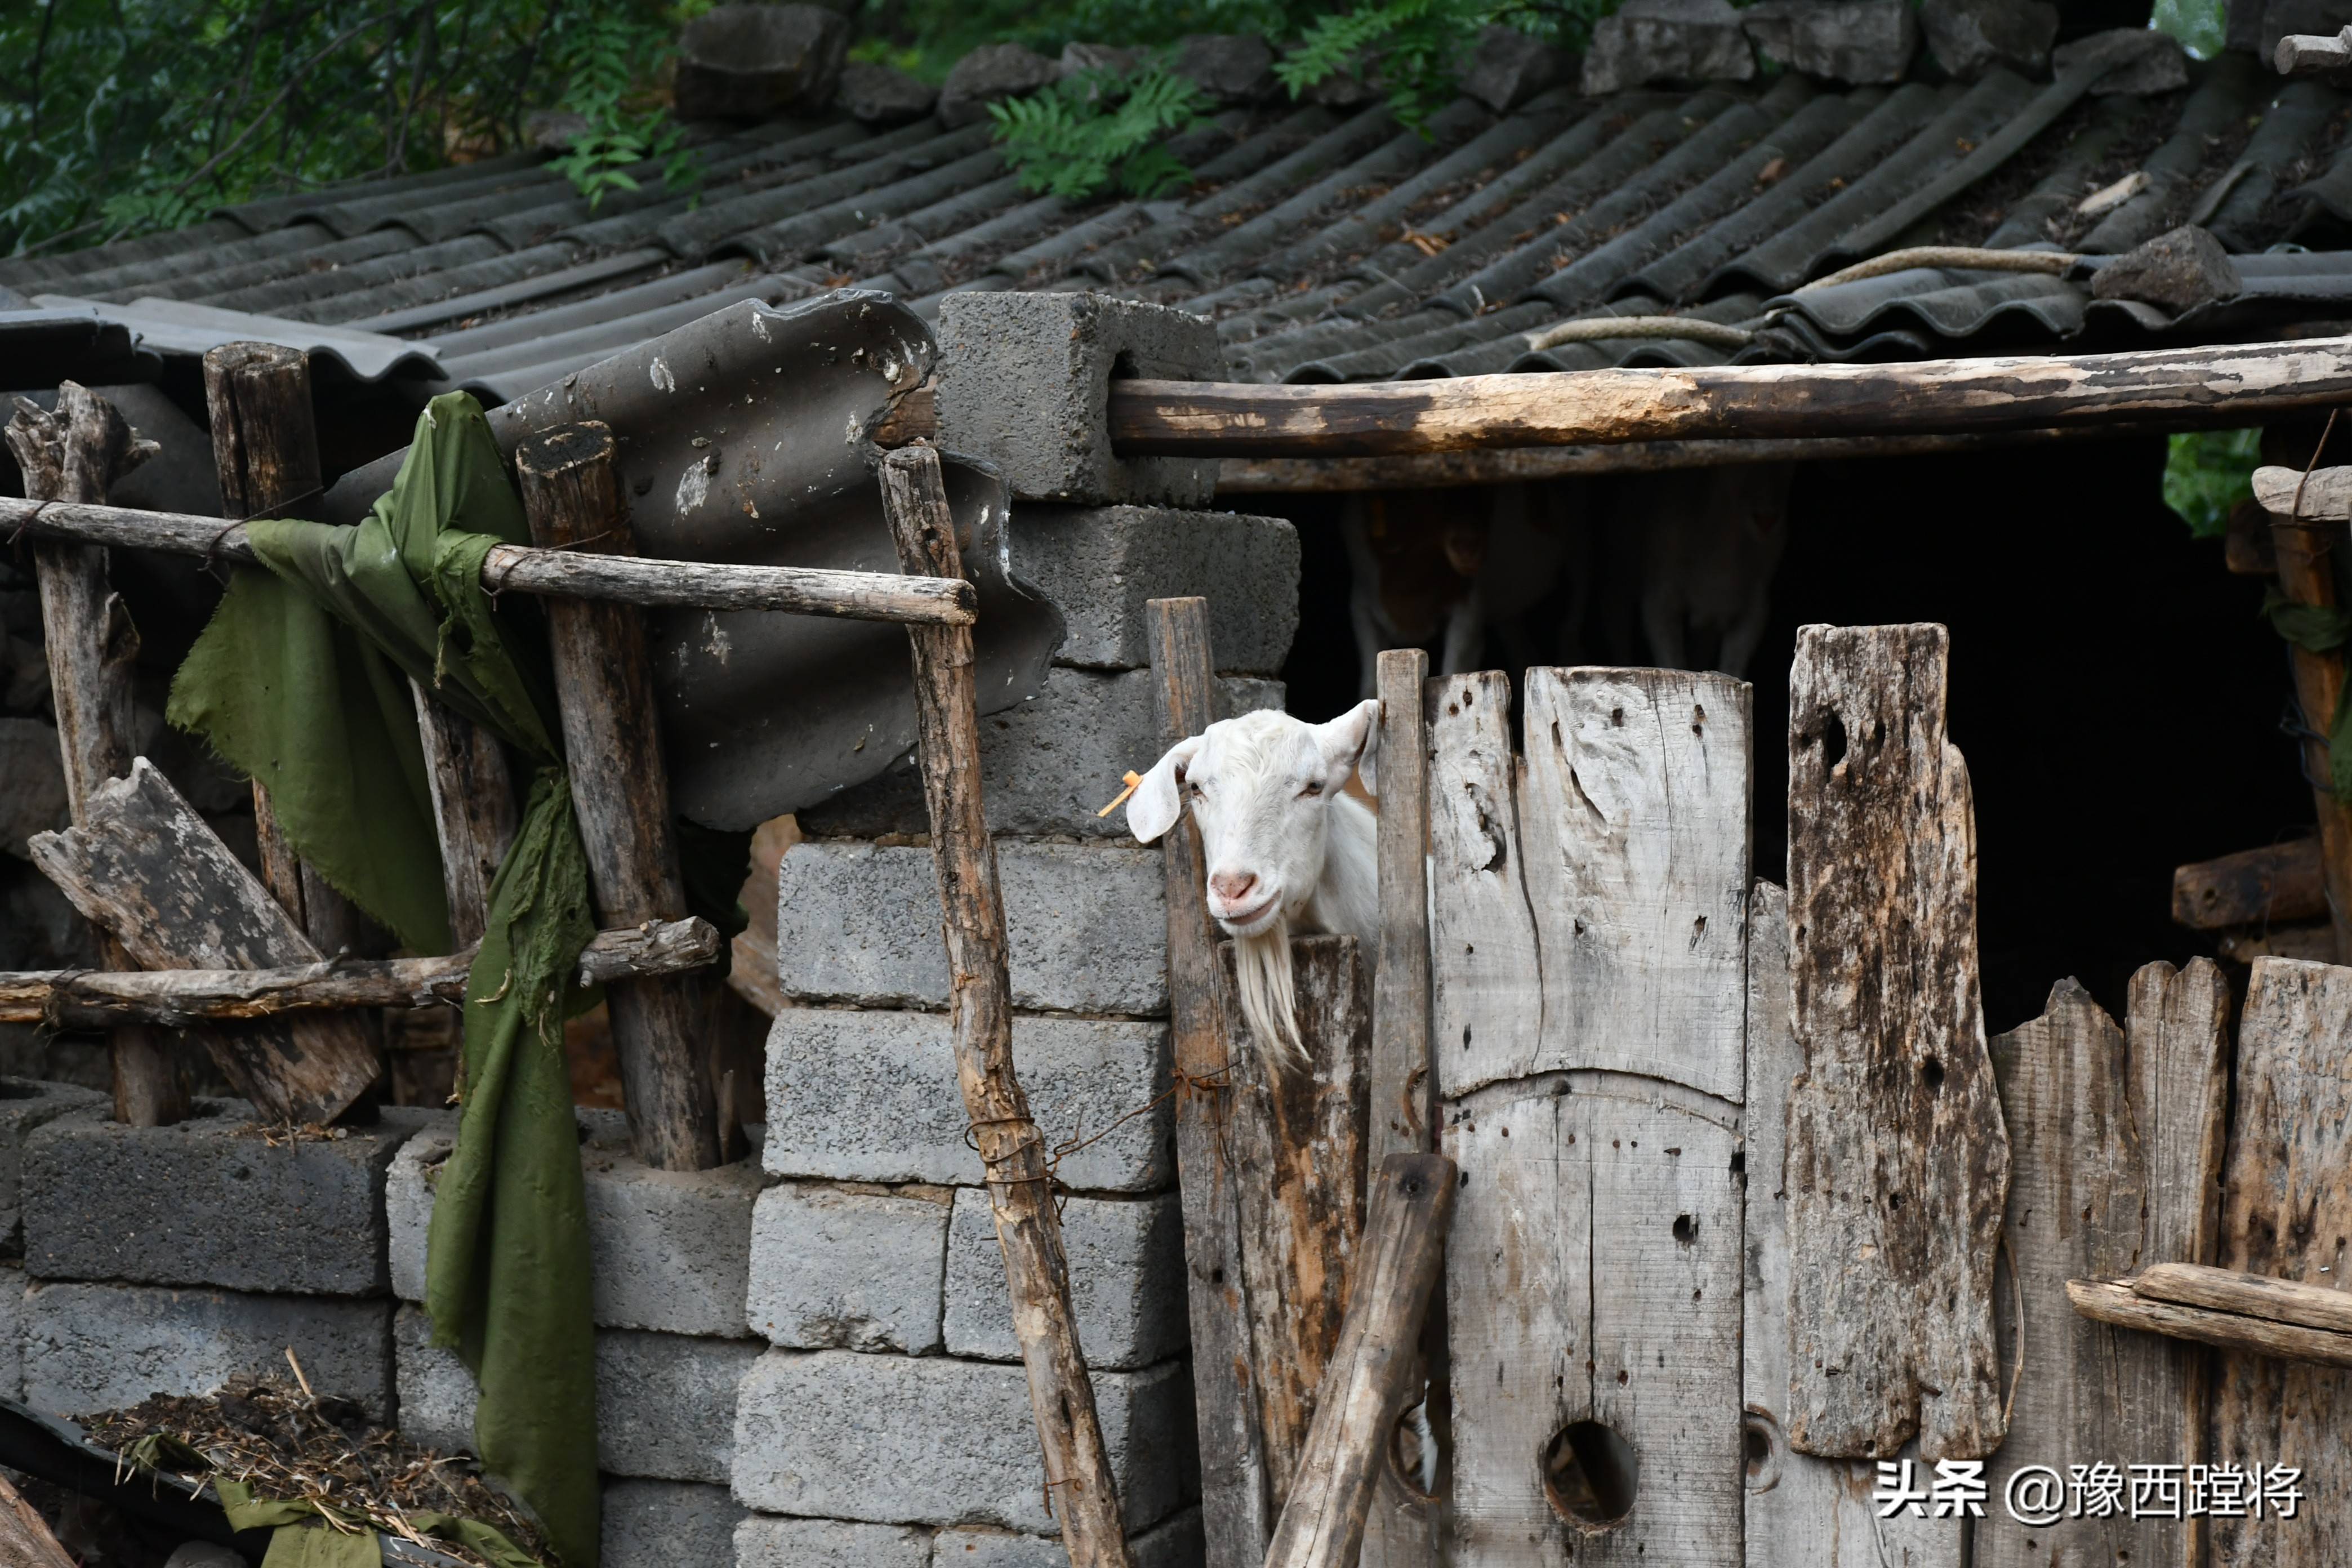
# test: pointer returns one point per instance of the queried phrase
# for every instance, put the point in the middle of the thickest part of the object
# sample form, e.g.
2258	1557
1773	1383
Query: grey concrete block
1024	382
872	1096
1045	767
766	1543
90	1348
436	1392
1099	564
850	1271
921	1439
1086	925
12	1331
26	1105
669	1524
1176	1544
1126	1280
670	1249
209	1201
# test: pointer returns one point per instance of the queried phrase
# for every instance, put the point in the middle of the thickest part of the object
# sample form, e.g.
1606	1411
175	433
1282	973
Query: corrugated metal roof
1332	246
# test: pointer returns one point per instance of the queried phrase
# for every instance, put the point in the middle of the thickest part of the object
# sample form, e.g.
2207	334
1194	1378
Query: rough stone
850	1271
669	1524
1856	41
1667	40
1045	767
209	1201
1113	58
988	73
1177	1543
1086	925
872	1096
12	1331
27	1105
1126	1280
1024	382
883	95
2144	61
749	62
837	1435
1506	67
1100	565
2177	271
765	1542
1969	37
90	1348
34	799
1233	68
670	1250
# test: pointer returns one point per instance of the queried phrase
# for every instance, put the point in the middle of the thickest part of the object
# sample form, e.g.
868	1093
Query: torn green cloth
2320	629
308	1534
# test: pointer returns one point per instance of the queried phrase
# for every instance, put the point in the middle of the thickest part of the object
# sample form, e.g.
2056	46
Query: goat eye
1311	791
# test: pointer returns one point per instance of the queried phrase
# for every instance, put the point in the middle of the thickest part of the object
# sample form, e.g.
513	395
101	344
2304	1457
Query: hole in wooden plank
1832	741
1932	1072
1414	1455
1686	1229
1590	1476
1761	1445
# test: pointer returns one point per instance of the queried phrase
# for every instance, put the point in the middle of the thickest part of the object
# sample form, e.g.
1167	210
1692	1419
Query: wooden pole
25	1541
75	455
473	809
2115	1301
2307	575
1012	1148
1237	1502
2234	384
612	743
1370	1377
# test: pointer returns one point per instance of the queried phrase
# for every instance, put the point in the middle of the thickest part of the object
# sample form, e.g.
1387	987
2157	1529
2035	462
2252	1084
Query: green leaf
2207	473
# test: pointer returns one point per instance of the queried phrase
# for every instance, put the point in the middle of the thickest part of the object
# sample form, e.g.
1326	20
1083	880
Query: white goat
1287	851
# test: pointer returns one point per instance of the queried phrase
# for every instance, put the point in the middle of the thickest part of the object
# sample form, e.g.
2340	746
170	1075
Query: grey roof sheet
1330	245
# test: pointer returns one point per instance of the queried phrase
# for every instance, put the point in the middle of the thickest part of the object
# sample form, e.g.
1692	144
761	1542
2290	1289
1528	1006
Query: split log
180	997
1897	1162
25	1539
2307	532
2173	388
474	812
1802	1511
1236	1508
2115	1301
1297	1137
2286	1202
1369	1379
2276	883
1012	1149
144	866
2090	1117
75	455
2253	1295
603	686
513	568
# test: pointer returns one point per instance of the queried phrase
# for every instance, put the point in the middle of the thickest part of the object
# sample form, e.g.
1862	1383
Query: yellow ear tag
1133	781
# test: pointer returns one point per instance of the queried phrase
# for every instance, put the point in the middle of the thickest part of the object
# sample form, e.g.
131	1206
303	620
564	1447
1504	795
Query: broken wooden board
2253	886
1898	1163
143	866
1802	1511
2091	1114
1591	987
2286	1208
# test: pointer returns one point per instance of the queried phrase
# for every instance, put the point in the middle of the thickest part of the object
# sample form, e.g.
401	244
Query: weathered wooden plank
2263	1340
1802	1511
2254	1295
1236	1508
1487	981
2178	1024
1298	1141
1371	1378
145	866
473	809
2276	882
25	1539
1012	1149
2307	551
1898	1163
2287	1206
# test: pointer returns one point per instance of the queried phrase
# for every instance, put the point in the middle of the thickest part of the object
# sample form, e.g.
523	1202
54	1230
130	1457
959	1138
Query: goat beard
1269	1000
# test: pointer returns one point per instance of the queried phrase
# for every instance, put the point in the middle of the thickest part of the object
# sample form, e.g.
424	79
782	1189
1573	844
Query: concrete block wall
886	1423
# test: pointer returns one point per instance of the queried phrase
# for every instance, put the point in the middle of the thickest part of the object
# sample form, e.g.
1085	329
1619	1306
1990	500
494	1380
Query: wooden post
1370	1377
25	1539
75	455
473	809
612	744
1235	1505
2305	548
1012	1149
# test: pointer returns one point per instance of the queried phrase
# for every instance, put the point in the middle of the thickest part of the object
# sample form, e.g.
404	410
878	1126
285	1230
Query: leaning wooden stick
1366	1387
1012	1148
2115	1301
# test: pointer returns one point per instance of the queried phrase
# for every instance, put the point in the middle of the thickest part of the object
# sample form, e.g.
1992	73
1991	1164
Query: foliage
601	56
2202	26
2207	473
1100	130
1417	44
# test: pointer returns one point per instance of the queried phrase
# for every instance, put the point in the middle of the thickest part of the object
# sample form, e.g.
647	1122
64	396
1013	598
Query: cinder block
1100	565
761	1541
12	1333
1045	767
850	1271
670	1249
669	1524
1086	923
1126	1280
26	1104
90	1348
1024	382
209	1201
872	1096
1177	1543
925	1440
665	1403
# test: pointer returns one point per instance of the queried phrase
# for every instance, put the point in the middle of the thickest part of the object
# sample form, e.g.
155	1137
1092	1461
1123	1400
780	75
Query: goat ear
1155	805
1353	742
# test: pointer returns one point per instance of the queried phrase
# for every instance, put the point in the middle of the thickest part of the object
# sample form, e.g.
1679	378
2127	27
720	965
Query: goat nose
1233	886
